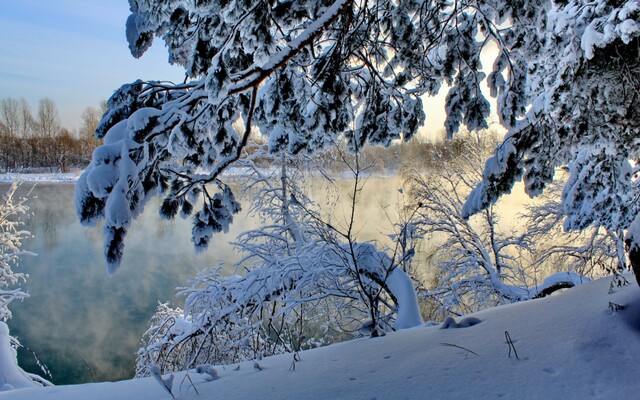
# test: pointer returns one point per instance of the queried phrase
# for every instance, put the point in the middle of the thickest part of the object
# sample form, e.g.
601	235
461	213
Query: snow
72	177
561	278
46	177
571	345
590	39
13	376
401	286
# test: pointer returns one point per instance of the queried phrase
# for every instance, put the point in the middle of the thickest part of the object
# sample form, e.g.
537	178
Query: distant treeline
31	141
419	153
34	142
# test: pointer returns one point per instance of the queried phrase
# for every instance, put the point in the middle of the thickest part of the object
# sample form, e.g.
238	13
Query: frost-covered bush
11	237
593	251
300	283
478	262
12	209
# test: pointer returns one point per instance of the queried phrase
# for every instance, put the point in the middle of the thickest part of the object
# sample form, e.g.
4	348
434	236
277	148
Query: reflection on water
81	322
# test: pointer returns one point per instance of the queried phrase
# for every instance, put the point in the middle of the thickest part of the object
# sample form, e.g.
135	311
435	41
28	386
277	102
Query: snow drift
570	345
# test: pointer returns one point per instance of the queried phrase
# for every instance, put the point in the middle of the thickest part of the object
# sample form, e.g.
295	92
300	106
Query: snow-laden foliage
302	72
12	209
14	377
565	78
582	62
11	237
593	251
479	264
300	283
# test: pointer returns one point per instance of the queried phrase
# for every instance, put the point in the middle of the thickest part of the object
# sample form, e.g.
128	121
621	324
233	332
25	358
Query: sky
72	51
76	53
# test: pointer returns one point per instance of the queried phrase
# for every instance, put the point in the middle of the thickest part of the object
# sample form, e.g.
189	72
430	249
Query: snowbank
74	176
53	177
13	377
571	345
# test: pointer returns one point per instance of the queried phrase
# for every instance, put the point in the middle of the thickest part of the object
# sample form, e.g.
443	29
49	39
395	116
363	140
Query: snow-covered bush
13	376
11	237
593	251
479	264
301	282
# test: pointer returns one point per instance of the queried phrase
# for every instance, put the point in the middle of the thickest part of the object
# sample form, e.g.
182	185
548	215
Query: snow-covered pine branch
304	73
582	91
565	79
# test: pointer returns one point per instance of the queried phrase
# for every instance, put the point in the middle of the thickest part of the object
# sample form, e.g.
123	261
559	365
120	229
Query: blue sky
72	51
75	52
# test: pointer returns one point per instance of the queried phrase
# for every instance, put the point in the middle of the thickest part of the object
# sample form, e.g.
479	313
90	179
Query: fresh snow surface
13	376
569	346
73	176
44	177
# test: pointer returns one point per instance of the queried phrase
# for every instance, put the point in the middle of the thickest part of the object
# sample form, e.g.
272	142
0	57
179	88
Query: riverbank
571	345
53	177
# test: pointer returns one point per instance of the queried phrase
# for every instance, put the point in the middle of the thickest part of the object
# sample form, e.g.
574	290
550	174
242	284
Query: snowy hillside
569	346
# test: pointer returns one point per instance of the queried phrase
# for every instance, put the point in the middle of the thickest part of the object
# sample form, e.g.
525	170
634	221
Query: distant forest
37	141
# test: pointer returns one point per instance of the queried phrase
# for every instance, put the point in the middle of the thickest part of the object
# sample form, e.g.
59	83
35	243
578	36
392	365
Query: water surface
85	325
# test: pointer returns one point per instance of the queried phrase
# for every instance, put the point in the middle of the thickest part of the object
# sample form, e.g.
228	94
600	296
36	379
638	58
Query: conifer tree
305	72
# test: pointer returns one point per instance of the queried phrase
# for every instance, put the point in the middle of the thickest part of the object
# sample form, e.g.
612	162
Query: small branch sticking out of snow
615	307
166	383
296	358
511	345
617	281
187	376
462	348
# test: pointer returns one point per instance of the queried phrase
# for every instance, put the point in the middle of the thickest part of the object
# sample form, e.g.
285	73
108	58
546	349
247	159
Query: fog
85	325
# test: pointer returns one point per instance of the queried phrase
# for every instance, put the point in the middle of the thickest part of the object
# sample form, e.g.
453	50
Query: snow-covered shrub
301	281
11	237
593	251
13	376
478	263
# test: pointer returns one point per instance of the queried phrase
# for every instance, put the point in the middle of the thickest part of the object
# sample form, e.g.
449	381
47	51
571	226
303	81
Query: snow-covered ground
41	177
569	346
72	176
60	177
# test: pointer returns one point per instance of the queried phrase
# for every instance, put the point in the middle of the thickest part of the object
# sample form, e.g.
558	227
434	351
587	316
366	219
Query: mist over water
85	325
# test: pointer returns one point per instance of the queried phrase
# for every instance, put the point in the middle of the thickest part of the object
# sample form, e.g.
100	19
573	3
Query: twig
615	307
460	347
88	368
511	345
187	376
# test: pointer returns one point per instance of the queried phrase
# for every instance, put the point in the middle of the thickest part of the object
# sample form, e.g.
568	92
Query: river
85	325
